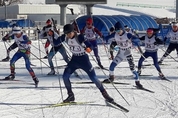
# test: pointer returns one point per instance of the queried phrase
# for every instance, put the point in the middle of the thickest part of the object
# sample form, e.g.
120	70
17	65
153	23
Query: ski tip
144	89
117	106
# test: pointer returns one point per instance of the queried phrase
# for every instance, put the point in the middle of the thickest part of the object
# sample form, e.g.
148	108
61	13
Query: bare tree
9	2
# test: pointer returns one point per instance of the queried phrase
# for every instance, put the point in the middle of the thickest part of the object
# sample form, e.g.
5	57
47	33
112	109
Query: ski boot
45	57
160	62
10	77
138	85
6	59
101	66
35	79
111	58
107	97
111	79
162	76
70	98
139	72
52	72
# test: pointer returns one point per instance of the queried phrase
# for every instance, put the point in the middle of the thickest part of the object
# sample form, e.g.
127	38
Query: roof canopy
104	22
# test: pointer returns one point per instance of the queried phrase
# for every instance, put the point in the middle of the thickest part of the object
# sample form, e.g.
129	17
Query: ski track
17	96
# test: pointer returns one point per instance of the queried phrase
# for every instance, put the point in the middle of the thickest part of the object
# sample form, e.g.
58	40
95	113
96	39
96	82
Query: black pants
171	47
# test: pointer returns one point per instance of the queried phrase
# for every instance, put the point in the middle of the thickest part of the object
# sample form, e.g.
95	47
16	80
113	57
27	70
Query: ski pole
112	83
5	45
58	75
169	55
39	53
38	49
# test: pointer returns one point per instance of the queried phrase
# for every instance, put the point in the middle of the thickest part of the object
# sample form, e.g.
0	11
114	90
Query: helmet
16	30
68	28
48	22
118	26
149	30
111	29
89	21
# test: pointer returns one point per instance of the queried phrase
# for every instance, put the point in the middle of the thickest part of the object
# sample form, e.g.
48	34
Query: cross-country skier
79	46
43	34
113	43
124	41
90	32
23	44
151	48
11	47
173	36
57	46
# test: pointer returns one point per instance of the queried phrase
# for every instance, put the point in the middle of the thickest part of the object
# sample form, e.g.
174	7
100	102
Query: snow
111	8
18	99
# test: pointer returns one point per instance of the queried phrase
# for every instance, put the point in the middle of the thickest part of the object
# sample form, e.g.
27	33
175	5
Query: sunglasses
118	31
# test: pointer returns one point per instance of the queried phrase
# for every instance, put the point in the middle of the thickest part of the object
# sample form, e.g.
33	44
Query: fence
30	31
144	5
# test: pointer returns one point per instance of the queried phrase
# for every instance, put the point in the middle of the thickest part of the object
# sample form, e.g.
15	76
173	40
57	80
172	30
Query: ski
153	64
62	66
62	104
3	81
116	105
32	64
144	89
4	61
9	80
78	76
86	82
146	75
101	68
147	64
165	79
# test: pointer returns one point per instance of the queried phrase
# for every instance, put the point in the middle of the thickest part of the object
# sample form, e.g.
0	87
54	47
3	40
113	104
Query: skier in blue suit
79	46
151	48
124	41
23	43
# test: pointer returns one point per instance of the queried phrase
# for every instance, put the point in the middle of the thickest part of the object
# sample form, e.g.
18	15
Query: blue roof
104	22
19	22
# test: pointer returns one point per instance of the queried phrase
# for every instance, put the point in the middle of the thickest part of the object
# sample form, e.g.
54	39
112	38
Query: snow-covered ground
19	98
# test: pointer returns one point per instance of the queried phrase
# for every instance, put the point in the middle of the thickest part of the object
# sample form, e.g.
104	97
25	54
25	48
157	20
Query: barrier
30	31
144	5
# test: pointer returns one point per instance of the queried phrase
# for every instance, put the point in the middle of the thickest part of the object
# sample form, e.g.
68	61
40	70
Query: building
37	12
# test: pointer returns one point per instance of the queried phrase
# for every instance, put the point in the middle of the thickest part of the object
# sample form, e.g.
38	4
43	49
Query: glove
38	30
4	39
88	50
29	42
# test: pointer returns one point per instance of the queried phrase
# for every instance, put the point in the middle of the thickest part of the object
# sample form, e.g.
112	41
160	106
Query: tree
9	2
